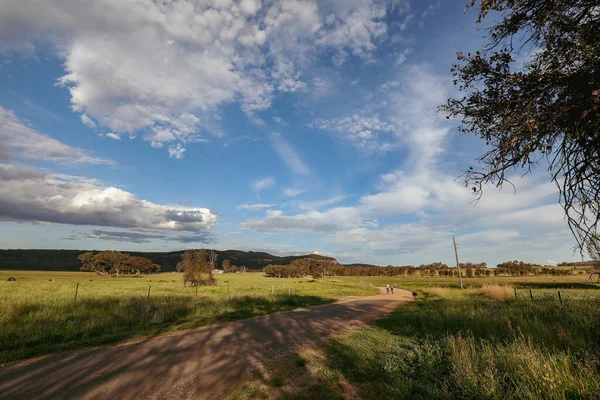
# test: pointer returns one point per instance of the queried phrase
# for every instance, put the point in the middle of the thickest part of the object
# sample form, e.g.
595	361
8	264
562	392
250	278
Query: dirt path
203	363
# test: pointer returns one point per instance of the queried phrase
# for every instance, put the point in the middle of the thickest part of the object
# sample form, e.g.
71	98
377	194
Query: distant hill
66	260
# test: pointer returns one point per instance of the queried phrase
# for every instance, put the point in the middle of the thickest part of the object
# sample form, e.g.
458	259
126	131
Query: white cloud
431	9
22	142
423	190
113	136
263	184
177	152
253	207
87	121
313	221
293	192
363	131
166	67
31	195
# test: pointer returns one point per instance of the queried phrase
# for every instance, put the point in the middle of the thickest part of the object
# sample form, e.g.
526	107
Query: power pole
457	263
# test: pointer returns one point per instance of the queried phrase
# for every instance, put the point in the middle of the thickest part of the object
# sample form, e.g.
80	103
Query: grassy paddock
38	314
479	343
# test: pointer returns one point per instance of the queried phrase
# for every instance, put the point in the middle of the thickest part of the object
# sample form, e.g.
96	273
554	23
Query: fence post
531	294
289	290
196	291
515	289
76	290
273	289
559	298
149	286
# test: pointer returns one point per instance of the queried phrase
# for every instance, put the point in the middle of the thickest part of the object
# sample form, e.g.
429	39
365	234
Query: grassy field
479	343
38	314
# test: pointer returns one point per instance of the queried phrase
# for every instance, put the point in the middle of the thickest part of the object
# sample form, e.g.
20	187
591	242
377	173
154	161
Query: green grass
38	314
421	283
466	346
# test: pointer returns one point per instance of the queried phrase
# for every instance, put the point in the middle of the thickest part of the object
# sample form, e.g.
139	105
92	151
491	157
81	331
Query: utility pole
457	263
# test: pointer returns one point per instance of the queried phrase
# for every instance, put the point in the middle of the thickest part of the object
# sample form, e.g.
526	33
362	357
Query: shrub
11	279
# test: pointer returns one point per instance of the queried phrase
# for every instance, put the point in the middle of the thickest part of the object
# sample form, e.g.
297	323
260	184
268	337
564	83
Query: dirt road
203	363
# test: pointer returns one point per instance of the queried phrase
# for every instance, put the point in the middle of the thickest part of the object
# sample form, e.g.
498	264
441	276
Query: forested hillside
66	260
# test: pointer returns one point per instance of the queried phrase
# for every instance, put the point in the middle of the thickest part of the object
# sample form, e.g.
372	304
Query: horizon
279	127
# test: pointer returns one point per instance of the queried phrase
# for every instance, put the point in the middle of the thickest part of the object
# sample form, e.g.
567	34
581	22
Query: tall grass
497	292
457	345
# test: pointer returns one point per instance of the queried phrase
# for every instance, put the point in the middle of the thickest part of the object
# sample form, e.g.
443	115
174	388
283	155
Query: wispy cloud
293	192
22	142
288	155
263	184
253	207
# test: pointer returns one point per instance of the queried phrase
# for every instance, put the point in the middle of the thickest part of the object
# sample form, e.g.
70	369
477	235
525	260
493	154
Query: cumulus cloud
165	67
263	184
31	195
21	142
177	152
253	207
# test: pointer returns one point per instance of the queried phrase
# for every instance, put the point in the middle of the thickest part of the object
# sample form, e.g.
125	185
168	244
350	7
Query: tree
546	110
87	262
140	265
197	267
114	263
226	264
212	257
593	248
228	268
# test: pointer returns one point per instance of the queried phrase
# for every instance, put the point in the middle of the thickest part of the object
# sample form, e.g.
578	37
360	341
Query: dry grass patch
440	292
497	292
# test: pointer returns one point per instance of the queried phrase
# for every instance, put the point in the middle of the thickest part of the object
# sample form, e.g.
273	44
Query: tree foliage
545	110
228	268
197	267
593	248
114	263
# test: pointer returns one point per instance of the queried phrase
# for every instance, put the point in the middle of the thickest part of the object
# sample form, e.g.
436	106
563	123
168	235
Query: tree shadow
37	329
202	363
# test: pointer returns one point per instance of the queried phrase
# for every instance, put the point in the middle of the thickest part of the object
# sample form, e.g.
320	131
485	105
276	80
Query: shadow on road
203	363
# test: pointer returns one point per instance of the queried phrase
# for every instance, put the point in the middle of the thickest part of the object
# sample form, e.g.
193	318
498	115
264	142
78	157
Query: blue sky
291	126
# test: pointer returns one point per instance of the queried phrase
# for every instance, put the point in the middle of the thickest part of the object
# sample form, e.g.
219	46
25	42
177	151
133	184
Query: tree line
304	267
115	263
